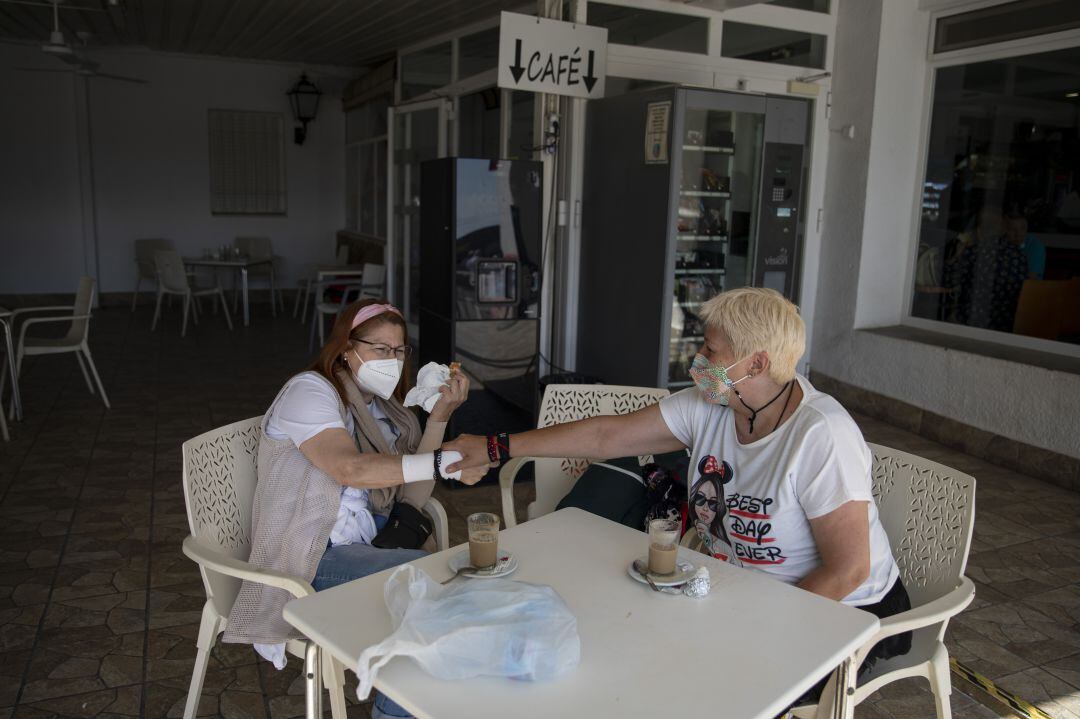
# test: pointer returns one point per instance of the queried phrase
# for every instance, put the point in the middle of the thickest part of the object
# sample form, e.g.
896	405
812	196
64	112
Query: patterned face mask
712	381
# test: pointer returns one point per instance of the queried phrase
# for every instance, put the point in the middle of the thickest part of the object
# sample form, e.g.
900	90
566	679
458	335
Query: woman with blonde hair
343	474
794	469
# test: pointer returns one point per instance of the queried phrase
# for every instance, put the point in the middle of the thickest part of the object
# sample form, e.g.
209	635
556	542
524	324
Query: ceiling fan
72	55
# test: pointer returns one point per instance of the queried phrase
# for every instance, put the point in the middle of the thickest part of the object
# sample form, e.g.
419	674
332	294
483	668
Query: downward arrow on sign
589	78
517	69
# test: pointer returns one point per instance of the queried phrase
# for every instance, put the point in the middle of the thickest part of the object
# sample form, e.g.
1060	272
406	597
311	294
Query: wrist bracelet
502	443
492	448
437	455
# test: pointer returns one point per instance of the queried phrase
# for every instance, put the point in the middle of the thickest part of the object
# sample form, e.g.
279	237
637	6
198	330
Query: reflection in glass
425	70
478	53
999	241
478	124
650	28
811	5
770	44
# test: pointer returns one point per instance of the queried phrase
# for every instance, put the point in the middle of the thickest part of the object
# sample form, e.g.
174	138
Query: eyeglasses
700	499
386	351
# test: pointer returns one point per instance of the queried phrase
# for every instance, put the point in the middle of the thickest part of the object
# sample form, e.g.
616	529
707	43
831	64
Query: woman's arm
641	432
843	543
334	452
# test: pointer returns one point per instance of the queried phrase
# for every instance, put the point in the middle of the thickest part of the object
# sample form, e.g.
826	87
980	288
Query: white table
5	322
242	264
748	649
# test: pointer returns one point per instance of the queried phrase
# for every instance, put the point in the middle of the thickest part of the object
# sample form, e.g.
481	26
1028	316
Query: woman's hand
453	395
473	474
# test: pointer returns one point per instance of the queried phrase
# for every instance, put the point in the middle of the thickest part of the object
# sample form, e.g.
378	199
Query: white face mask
380	377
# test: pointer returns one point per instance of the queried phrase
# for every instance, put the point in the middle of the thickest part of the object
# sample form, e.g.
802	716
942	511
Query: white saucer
684	570
506	564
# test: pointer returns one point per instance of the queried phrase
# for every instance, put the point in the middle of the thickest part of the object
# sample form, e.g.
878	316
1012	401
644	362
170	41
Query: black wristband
438	464
502	441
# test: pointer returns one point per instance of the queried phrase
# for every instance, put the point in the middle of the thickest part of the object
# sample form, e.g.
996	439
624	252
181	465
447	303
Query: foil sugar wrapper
698	585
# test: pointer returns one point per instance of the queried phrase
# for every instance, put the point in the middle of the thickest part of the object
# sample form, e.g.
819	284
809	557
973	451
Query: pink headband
369	311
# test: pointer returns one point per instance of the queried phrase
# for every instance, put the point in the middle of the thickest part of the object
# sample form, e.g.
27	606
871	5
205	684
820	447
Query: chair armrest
224	564
925	615
507	475
53	308
434	509
42	320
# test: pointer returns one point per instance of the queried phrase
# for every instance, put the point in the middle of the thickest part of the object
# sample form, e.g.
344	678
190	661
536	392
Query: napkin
431	377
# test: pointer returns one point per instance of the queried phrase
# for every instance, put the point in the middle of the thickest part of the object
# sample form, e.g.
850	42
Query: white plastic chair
568	403
172	280
144	263
372	284
75	341
219	475
260	248
308	283
928	511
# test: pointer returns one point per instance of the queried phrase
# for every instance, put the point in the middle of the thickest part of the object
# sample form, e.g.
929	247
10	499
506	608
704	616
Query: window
365	167
478	124
425	70
651	28
772	44
999	240
478	53
809	5
247	163
1010	21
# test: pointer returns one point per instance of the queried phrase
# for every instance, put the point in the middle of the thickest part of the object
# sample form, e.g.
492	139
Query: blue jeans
352	561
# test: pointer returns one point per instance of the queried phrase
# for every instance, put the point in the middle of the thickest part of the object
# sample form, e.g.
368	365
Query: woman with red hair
343	473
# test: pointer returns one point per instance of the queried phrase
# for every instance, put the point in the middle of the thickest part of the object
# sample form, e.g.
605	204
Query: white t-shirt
766	492
309	406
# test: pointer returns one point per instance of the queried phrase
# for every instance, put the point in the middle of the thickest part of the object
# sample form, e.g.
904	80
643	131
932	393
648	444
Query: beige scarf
369	438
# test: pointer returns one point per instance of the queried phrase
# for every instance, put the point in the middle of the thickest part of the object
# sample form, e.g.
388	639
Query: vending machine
480	269
687	193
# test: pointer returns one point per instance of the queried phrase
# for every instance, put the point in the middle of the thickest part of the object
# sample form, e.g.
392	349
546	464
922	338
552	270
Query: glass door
718	172
417	133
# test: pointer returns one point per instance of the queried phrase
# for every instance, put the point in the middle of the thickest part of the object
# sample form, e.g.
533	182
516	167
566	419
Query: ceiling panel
352	33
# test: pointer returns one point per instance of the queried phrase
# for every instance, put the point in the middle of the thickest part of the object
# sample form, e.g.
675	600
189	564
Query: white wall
868	244
40	214
150	162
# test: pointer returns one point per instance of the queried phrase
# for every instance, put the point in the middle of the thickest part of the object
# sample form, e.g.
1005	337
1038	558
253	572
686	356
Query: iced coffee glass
483	539
663	546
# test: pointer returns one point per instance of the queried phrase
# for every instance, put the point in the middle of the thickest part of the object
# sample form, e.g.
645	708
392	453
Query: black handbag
406	528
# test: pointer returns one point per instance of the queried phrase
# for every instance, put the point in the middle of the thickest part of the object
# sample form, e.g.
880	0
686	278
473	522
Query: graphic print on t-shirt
707	506
736	527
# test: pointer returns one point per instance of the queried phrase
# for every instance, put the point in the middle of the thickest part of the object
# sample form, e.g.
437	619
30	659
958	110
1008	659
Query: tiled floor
99	608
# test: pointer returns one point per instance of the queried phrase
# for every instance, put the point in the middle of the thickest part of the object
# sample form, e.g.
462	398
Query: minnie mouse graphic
708	506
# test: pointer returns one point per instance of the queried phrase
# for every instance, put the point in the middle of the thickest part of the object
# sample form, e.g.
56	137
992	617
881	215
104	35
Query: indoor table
238	263
748	649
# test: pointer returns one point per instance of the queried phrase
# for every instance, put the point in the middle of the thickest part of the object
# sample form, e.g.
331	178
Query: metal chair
172	280
219	476
569	403
928	511
75	341
260	248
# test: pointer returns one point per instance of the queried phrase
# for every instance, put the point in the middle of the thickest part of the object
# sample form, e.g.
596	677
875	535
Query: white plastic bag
482	627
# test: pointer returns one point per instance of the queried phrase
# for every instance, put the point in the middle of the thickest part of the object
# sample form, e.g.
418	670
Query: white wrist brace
421	467
418	467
